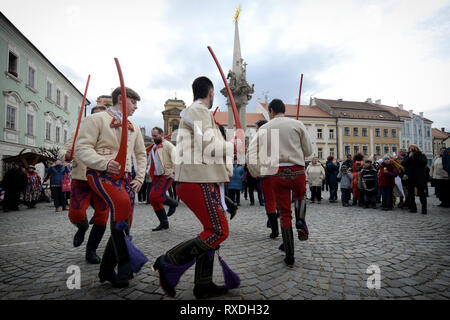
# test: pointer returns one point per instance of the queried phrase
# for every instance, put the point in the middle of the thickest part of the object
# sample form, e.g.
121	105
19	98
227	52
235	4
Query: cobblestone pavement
412	251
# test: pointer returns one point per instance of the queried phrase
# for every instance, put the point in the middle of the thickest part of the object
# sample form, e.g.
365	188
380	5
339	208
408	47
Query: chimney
369	100
400	106
443	129
410	113
378	101
340	99
421	114
312	101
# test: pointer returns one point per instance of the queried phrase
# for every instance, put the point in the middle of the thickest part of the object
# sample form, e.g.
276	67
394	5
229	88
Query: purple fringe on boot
173	273
231	279
137	258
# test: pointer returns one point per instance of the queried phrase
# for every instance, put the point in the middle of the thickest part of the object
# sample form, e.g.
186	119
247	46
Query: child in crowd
369	184
346	179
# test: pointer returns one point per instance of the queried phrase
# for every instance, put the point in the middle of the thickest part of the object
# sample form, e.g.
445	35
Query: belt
288	172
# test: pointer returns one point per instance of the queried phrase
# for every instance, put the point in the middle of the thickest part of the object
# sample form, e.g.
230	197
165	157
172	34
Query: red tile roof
438	134
252	118
305	111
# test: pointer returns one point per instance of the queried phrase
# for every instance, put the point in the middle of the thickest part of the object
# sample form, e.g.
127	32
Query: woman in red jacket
386	182
356	169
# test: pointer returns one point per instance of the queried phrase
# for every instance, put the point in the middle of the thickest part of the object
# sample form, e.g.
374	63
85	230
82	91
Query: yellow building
362	127
171	116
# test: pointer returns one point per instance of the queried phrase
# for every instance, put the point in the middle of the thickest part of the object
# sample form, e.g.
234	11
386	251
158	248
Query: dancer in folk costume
287	169
33	188
203	165
160	166
97	146
81	196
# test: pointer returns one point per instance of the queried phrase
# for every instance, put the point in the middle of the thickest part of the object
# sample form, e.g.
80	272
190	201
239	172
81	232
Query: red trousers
282	187
81	196
204	200
267	189
157	196
118	194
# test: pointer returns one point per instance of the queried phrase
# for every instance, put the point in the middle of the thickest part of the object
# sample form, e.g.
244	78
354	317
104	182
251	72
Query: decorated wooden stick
239	131
121	157
299	96
79	118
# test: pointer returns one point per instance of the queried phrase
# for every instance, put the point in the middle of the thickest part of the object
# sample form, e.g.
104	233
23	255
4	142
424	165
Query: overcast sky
396	51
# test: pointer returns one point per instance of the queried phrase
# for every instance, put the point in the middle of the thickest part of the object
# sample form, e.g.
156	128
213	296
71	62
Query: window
66	102
58	134
347	150
347	131
332	152
13	62
378	150
355	149
394	149
58	97
319	134
394	133
11	115
364	132
49	89
377	132
31	77
30	124
355	132
48	131
320	153
331	133
365	150
386	149
386	133
65	136
428	131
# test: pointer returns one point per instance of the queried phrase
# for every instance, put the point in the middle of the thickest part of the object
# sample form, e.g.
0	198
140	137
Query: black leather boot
95	237
231	207
288	243
124	272
176	261
204	286
272	216
172	206
163	222
300	222
79	235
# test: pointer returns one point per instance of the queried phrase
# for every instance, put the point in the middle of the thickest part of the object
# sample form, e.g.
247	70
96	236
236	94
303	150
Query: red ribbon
121	157
79	118
239	131
299	96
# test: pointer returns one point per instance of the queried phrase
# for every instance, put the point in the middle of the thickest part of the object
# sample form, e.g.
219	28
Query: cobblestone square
411	250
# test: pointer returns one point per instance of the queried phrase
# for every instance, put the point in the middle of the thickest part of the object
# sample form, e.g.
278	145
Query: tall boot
95	237
116	253
272	216
172	206
231	207
204	286
79	235
163	222
176	261
288	244
300	222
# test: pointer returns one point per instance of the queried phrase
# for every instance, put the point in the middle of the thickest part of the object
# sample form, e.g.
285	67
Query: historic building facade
39	105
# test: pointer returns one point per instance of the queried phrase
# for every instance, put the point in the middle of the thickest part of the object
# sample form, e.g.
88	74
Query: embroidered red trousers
269	197
157	196
204	200
81	196
282	187
118	194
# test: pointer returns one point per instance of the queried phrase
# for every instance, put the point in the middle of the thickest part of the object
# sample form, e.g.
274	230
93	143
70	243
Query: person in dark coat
414	164
254	184
57	173
333	170
13	183
386	181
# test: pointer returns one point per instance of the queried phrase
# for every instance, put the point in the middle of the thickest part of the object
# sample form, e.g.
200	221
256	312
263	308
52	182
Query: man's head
349	157
260	123
367	164
157	135
276	107
441	152
132	99
98	109
203	89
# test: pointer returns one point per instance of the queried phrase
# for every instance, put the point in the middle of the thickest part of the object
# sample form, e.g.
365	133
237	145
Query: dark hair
97	107
277	106
260	123
358	157
160	131
201	87
368	161
130	94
